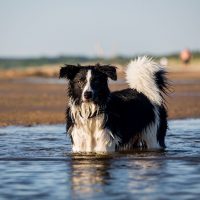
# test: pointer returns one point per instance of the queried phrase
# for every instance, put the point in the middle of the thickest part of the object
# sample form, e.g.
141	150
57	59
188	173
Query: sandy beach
27	102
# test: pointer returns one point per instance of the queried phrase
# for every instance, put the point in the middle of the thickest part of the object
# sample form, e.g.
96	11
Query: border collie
102	121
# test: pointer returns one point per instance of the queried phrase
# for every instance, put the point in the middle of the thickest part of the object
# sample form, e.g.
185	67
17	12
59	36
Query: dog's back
141	108
98	120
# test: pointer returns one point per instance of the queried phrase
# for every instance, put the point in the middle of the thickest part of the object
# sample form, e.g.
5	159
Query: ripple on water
37	161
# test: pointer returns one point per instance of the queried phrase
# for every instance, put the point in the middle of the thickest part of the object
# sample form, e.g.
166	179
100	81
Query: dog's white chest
89	136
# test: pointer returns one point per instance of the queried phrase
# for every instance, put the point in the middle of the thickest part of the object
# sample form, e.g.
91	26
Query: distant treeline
6	63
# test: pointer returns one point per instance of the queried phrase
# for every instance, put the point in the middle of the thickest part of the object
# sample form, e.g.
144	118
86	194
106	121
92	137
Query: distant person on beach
185	56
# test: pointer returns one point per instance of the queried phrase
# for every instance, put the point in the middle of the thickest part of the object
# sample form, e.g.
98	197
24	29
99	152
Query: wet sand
27	103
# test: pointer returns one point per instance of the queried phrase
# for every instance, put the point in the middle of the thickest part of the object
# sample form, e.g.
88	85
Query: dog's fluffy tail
147	77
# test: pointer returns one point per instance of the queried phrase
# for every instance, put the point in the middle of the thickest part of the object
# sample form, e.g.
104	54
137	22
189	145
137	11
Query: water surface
37	163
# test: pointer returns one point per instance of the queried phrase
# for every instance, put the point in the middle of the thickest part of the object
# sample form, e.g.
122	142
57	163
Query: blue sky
97	27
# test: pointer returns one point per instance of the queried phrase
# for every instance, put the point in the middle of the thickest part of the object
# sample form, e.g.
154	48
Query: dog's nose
88	95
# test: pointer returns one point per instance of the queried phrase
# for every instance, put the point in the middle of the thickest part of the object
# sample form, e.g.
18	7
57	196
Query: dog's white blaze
88	133
149	135
140	75
88	83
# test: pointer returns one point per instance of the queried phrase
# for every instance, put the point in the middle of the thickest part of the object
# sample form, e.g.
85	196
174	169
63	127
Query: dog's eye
80	82
95	81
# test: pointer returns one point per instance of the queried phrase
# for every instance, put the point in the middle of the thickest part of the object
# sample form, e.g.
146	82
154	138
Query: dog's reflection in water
93	175
89	173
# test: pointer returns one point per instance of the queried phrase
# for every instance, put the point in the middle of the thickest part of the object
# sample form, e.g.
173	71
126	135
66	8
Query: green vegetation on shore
8	63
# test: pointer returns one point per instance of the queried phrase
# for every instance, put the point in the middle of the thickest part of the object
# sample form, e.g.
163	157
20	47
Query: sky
34	28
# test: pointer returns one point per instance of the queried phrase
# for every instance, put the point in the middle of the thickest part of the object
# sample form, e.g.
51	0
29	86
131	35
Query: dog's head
88	83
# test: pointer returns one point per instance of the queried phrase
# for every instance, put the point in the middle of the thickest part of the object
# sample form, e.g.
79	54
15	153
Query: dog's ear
69	71
108	70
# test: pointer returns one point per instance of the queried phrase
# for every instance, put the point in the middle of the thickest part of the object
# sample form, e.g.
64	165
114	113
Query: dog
102	121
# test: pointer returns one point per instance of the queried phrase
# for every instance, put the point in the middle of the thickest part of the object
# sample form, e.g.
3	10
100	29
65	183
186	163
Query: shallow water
36	163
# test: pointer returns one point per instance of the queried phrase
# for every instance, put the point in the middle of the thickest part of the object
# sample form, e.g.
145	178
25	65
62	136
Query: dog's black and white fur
102	121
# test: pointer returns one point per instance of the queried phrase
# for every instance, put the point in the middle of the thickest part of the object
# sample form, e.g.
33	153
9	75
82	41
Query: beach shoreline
25	102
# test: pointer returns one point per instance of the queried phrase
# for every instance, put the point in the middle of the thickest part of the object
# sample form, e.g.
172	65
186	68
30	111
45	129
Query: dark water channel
37	163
